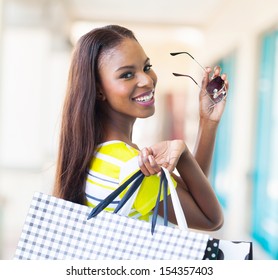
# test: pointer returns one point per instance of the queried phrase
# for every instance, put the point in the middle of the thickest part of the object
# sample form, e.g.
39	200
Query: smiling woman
127	83
111	84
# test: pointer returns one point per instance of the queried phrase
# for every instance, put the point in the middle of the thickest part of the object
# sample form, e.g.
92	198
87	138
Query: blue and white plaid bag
57	229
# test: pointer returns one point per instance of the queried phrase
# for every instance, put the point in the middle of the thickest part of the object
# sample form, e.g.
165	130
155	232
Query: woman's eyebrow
125	67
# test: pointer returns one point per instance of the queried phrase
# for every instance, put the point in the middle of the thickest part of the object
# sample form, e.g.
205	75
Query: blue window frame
222	152
265	178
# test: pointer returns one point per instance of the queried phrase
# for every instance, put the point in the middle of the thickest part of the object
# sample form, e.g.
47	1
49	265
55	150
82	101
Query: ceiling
159	20
195	13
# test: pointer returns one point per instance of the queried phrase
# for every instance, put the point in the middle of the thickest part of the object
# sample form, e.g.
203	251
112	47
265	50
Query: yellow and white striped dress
113	163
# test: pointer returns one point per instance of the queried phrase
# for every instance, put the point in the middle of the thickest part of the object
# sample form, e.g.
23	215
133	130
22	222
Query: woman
111	84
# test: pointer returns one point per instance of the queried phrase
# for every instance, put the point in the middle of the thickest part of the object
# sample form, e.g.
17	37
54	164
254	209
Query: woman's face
127	81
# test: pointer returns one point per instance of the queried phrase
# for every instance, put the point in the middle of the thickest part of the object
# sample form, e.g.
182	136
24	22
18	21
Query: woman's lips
145	97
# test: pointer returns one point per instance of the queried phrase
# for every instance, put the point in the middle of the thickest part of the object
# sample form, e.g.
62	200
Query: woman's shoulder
116	159
117	149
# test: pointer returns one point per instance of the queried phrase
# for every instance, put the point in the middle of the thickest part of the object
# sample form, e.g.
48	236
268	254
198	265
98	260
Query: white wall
238	29
34	66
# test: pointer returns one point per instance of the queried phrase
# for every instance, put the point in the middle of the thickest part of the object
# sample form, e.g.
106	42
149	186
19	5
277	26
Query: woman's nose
145	79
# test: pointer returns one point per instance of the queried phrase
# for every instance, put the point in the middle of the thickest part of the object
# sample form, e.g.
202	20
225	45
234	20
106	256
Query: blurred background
36	41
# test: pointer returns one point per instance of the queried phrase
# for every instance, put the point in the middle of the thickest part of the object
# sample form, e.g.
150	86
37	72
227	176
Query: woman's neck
115	129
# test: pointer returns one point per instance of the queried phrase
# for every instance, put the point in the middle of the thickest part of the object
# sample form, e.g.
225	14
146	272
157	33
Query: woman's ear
100	95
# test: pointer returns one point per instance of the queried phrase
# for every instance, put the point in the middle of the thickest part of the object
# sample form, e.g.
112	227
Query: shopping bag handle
136	178
167	182
181	220
163	183
136	184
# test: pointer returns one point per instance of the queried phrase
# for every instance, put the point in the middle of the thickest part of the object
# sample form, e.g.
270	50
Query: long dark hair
81	128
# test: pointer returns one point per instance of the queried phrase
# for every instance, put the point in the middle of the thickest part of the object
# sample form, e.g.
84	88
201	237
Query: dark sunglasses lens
215	89
215	85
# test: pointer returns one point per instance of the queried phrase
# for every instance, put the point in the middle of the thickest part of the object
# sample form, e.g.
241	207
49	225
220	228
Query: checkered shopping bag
57	229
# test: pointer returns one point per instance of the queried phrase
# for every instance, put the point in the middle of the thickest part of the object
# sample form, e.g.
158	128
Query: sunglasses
215	89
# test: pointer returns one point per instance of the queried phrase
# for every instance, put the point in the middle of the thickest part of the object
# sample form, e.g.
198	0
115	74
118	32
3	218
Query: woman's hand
206	110
209	120
166	154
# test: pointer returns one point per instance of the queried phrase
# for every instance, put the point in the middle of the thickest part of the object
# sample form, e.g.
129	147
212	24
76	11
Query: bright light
151	33
189	35
79	28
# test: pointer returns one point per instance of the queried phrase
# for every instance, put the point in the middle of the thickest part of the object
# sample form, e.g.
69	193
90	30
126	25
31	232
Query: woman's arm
200	205
205	142
208	123
198	200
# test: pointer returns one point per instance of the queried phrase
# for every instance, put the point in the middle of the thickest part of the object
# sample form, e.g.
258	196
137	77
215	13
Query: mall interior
36	42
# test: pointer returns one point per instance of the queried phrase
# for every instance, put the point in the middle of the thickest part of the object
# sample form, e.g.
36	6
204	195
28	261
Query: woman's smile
145	99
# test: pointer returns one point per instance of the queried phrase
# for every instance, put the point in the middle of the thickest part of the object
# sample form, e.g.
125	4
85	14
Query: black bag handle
136	184
104	203
137	179
164	184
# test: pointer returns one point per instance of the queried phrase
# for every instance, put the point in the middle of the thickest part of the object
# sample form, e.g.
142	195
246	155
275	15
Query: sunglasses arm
188	76
177	53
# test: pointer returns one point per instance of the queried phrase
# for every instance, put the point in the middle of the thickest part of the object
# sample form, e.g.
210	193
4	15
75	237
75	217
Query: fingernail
144	152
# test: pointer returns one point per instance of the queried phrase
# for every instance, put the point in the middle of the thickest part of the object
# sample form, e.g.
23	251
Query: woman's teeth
145	98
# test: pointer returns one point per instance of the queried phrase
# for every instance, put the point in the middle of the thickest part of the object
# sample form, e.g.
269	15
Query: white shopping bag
59	229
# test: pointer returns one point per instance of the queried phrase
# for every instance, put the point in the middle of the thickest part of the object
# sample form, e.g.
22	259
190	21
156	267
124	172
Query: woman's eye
127	75
147	68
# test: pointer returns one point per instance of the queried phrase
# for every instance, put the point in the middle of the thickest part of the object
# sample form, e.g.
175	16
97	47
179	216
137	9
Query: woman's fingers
206	77
147	163
216	71
152	166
